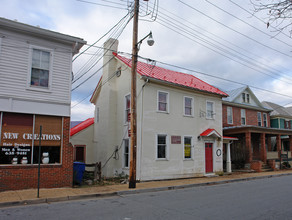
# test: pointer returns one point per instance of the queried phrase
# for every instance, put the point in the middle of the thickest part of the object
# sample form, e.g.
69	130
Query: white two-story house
35	93
179	121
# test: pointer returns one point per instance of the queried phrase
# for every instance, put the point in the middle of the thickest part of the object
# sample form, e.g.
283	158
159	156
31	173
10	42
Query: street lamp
135	48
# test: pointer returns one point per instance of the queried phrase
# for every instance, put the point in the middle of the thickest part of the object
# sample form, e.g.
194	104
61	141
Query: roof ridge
172	76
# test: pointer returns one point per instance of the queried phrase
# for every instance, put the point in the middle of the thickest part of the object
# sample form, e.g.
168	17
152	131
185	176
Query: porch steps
266	168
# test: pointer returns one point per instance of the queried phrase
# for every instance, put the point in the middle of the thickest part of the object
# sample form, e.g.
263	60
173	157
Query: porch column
228	159
248	147
278	142
290	143
269	143
263	151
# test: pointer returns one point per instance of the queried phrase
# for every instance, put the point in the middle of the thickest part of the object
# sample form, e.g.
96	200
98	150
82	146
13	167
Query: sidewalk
24	197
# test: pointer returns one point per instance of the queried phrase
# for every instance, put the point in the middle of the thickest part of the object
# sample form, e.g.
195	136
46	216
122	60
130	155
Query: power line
227	52
189	70
101	36
94	3
247	23
98	54
259	19
250	38
120	32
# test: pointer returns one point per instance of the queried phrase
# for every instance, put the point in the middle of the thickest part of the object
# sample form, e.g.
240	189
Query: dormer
245	97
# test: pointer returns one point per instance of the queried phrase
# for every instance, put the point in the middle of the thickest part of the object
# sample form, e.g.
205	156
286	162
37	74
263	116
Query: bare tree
279	13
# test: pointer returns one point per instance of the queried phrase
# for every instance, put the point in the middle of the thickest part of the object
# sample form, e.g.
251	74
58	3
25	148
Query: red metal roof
210	132
81	126
171	76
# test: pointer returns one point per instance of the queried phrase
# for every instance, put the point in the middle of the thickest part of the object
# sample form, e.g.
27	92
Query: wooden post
263	150
132	171
248	146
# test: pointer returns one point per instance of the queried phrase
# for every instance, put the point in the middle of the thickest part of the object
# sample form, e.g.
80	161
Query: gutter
178	85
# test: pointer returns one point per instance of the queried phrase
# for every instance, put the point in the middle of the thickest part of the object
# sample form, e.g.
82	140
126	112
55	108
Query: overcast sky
219	38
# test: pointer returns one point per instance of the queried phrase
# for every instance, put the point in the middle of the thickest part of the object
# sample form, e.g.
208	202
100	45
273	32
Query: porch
260	145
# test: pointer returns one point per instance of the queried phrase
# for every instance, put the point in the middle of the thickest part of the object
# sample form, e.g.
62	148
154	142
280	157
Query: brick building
246	118
35	86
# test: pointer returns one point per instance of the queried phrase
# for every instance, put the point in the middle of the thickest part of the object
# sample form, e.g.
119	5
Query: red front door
209	157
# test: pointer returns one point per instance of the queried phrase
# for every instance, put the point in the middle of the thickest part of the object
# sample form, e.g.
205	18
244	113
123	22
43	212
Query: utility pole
133	152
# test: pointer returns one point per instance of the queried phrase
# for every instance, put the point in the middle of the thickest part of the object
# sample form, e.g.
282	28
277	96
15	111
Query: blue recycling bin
78	171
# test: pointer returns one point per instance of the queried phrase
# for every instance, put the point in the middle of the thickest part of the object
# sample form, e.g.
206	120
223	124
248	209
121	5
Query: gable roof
81	126
170	76
234	94
210	132
278	110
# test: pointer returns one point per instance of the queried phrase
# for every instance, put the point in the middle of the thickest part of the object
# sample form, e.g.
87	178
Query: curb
131	192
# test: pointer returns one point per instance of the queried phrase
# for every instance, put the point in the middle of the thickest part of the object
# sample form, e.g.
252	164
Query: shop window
18	137
52	153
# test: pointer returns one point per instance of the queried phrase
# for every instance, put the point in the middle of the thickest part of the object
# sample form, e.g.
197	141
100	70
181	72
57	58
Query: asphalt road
258	199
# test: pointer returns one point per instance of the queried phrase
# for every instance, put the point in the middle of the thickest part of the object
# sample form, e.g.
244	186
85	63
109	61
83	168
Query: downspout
141	123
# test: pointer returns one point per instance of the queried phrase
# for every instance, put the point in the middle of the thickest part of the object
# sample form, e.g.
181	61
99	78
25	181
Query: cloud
82	111
175	24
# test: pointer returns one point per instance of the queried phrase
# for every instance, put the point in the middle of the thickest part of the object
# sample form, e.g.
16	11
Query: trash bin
78	171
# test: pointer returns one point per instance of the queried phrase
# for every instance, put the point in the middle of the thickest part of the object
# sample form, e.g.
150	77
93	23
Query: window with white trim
247	97
162	101
265	119
188	106
243	117
210	110
126	153
229	115
127	108
161	146
259	114
187	147
40	71
243	97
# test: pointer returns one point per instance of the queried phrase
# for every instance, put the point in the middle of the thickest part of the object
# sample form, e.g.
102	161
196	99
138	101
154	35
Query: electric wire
93	61
85	80
94	3
200	29
220	49
253	15
247	23
238	32
101	37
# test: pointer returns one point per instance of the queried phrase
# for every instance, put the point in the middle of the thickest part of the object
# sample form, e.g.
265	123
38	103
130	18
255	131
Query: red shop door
209	157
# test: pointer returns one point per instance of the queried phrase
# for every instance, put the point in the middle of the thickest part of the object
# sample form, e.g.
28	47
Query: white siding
14	70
